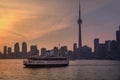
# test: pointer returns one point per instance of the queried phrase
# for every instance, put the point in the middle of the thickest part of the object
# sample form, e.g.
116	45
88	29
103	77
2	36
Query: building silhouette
5	50
16	48
9	50
63	51
107	46
56	51
43	51
113	50
96	43
108	50
100	51
86	52
24	48
118	38
34	50
74	47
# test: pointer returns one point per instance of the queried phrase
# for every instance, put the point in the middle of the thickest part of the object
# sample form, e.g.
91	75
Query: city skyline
110	49
47	22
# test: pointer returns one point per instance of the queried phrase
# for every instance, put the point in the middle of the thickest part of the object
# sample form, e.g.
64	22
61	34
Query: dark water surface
77	70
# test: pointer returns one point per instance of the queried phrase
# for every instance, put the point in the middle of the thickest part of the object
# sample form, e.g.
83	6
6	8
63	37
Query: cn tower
79	23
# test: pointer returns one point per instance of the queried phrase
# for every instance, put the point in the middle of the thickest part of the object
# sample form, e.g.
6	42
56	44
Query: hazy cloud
56	20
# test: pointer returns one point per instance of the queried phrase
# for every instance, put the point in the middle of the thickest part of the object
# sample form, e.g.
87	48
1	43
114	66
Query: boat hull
45	65
46	62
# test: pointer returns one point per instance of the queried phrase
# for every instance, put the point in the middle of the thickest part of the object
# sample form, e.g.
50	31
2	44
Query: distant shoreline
70	59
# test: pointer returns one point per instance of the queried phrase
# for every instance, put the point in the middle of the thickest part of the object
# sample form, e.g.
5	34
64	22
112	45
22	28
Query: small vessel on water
39	61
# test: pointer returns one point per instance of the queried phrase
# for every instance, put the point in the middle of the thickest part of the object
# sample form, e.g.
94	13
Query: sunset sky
47	23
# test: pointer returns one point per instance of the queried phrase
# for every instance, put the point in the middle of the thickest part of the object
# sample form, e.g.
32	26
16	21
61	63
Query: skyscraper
34	50
43	51
24	47
79	23
118	35
9	50
96	43
118	38
16	48
74	47
5	50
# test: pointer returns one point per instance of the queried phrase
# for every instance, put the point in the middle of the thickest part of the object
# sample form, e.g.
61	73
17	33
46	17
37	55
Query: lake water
77	70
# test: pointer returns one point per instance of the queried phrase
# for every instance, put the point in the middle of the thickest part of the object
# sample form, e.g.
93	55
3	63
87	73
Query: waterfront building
56	51
9	50
43	51
24	47
96	43
34	50
63	51
118	38
16	48
5	50
100	51
75	48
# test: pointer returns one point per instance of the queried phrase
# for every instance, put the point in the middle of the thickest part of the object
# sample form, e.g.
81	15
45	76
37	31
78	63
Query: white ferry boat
39	61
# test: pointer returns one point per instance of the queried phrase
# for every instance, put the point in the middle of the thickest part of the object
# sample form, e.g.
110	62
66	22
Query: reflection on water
77	70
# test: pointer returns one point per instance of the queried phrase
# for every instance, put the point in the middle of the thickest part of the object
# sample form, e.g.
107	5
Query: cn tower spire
79	10
79	23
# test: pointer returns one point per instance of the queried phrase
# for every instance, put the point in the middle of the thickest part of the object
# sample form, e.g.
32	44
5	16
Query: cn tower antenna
79	9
